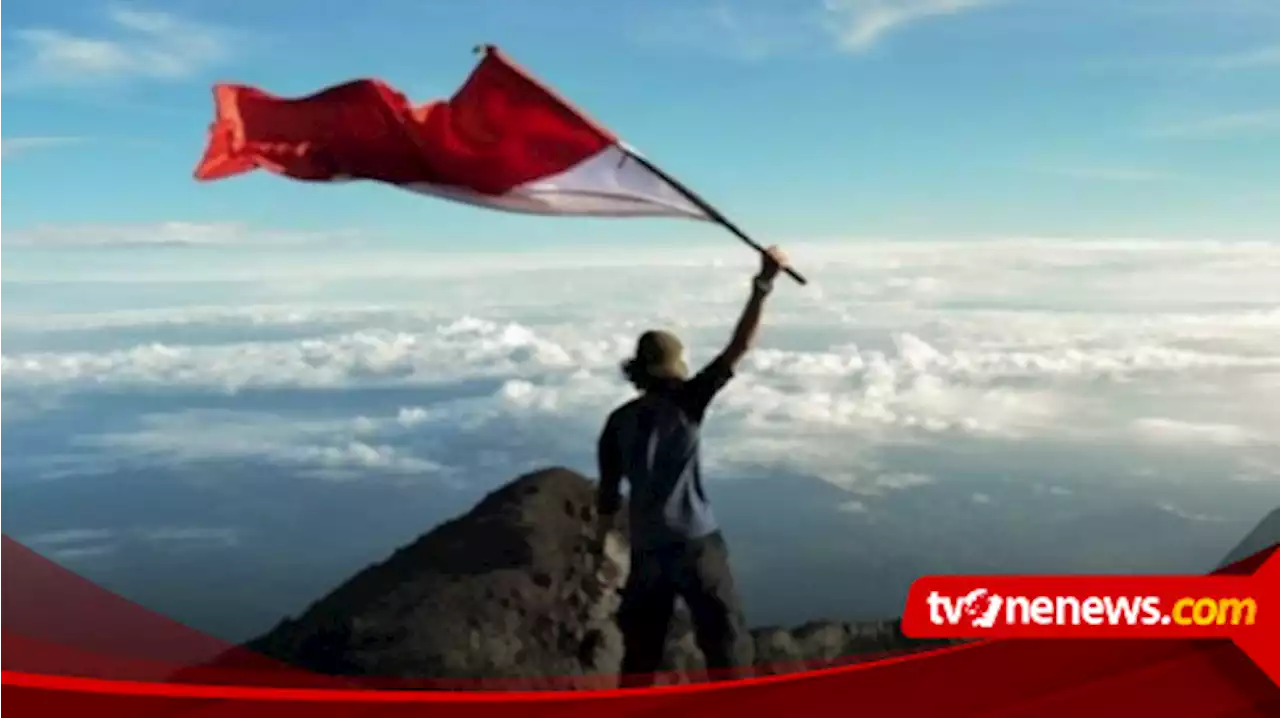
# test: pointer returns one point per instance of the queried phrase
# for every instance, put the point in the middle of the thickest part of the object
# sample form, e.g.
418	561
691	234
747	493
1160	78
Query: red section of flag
502	129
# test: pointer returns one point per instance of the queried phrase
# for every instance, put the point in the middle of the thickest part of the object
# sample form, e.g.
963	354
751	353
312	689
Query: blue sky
800	119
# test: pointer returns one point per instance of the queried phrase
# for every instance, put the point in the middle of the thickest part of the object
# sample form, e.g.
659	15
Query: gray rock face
511	590
1265	535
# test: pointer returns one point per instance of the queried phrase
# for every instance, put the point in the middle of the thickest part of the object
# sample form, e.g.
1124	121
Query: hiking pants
698	572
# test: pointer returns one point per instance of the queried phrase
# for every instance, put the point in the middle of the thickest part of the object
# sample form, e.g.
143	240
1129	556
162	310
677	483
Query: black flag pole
712	212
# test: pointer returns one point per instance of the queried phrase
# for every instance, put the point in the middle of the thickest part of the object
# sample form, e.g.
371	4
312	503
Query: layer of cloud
139	44
900	347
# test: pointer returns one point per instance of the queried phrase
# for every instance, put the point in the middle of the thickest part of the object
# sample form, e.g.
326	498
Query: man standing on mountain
676	545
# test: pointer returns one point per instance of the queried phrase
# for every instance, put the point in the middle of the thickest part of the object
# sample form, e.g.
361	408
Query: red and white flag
503	141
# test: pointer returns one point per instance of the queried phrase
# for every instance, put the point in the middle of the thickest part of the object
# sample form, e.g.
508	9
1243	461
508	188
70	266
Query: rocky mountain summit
511	591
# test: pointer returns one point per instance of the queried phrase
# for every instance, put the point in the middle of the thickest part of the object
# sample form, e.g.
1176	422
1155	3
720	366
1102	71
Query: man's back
654	441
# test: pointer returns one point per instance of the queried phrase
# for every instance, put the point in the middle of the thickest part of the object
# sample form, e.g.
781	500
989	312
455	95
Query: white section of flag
610	183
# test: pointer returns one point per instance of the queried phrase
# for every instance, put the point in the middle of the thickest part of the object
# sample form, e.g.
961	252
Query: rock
512	590
777	651
822	640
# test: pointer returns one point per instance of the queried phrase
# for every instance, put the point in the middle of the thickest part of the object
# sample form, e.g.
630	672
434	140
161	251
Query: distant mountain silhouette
1265	535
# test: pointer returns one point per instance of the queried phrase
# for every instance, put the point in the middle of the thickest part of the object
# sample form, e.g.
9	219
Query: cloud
757	29
71	545
752	30
1262	57
1178	432
1188	515
81	552
165	234
13	146
1253	470
79	544
900	481
140	44
1107	173
192	535
910	348
1250	123
852	507
860	24
325	449
70	536
980	498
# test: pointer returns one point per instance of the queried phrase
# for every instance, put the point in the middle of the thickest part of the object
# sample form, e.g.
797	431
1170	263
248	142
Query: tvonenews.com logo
982	609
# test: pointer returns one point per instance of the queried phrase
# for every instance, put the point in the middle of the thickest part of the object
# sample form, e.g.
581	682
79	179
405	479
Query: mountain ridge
512	590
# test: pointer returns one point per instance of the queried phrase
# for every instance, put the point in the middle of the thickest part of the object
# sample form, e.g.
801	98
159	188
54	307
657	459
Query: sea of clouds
949	398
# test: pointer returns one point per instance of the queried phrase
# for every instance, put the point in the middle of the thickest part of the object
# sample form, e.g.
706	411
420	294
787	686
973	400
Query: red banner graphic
72	647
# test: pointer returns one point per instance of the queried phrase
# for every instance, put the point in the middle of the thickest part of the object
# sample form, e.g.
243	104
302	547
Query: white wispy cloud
1180	431
757	29
70	536
165	234
751	30
139	44
12	146
1104	173
1187	515
79	553
752	35
1253	122
896	482
191	535
852	507
860	24
1261	57
78	544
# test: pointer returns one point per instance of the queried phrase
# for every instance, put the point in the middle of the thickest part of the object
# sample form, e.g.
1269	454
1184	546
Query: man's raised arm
744	334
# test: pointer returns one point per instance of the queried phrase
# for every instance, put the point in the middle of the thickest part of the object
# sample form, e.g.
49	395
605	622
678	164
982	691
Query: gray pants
698	572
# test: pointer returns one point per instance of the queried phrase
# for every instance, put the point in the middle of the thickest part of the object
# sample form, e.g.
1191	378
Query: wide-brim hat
660	355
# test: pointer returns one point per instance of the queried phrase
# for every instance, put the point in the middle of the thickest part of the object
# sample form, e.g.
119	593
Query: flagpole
485	49
712	212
